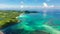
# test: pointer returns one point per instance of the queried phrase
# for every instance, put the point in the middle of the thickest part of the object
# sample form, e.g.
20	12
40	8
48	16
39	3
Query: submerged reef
29	23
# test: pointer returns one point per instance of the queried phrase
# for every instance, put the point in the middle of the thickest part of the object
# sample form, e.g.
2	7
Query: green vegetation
8	16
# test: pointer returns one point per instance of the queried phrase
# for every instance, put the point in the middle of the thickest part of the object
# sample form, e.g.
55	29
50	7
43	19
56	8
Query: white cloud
52	6
45	5
21	6
6	6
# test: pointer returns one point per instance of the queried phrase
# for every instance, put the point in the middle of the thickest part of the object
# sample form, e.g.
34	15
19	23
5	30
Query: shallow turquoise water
33	21
36	21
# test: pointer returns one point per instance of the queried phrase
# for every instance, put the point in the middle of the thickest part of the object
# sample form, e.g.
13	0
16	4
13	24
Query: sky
15	4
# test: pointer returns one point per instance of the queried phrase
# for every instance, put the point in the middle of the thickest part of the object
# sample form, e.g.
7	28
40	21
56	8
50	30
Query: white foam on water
51	29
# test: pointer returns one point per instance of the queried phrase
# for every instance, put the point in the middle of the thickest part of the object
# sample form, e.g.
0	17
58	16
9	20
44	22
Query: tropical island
8	17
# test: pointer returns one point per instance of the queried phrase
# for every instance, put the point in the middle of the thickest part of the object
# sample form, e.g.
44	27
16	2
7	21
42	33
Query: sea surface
43	22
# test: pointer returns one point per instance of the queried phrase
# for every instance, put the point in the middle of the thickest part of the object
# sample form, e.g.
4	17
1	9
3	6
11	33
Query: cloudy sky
15	4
